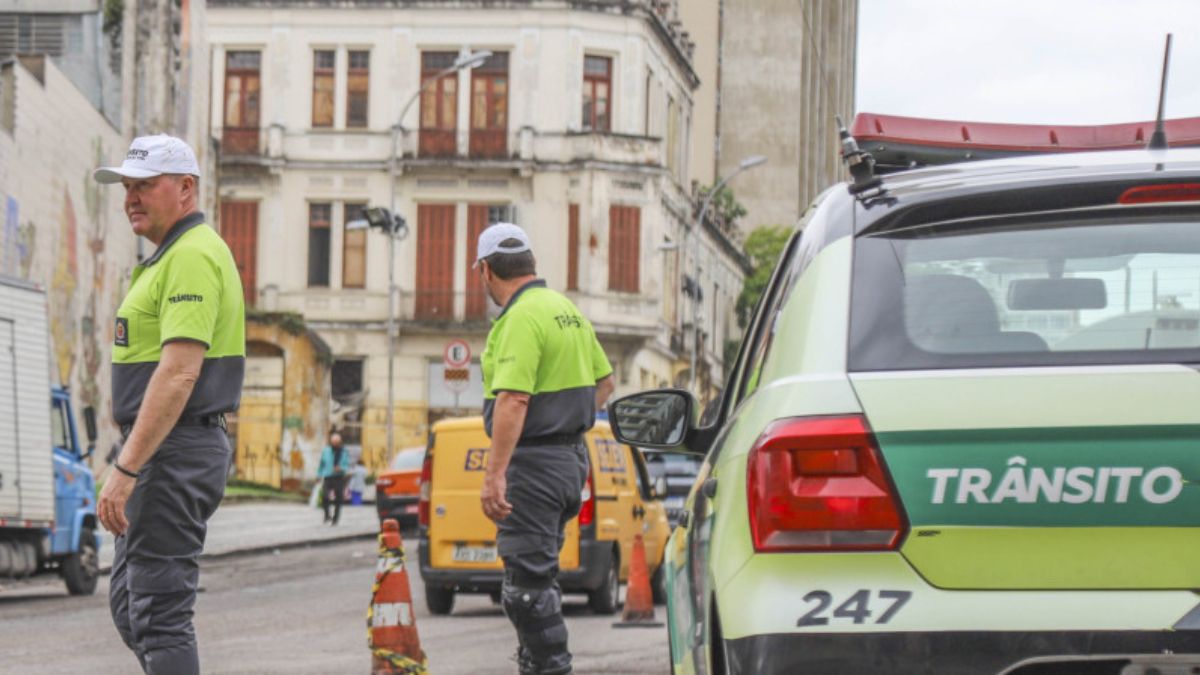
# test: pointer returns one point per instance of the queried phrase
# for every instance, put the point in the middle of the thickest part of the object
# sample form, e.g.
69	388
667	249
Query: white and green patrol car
962	434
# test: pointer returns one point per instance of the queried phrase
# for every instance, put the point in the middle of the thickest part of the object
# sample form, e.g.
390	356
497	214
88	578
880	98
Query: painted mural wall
62	230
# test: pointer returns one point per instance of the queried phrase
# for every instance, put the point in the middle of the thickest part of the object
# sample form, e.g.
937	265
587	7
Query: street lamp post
396	228
389	221
747	163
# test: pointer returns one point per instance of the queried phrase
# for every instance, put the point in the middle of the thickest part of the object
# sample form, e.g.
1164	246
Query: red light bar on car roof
1152	194
899	142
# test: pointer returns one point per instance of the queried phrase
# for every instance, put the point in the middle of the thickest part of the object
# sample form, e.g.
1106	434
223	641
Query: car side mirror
89	423
653	419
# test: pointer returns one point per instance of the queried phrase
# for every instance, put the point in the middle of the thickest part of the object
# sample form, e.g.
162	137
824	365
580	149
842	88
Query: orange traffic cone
639	603
391	626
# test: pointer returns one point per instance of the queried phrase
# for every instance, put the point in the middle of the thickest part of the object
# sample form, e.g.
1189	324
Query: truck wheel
7	564
81	570
658	584
440	601
31	559
606	598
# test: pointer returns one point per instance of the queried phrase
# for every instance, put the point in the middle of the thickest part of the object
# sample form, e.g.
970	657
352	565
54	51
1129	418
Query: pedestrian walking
178	354
358	483
544	377
335	462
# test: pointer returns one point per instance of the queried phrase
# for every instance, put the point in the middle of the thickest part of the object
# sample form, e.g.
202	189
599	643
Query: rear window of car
1071	291
408	460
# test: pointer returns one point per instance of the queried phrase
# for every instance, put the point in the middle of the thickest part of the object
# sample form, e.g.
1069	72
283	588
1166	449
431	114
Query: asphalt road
300	611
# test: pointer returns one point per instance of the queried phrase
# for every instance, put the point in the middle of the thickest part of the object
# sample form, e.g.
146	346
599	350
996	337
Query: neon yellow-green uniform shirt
188	290
542	345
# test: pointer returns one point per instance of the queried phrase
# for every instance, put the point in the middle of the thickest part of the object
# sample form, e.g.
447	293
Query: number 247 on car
859	607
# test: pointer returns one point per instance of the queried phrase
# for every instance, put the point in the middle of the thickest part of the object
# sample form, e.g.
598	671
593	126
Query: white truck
47	492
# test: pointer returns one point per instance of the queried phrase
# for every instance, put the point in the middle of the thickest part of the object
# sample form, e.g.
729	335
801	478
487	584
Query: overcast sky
1028	61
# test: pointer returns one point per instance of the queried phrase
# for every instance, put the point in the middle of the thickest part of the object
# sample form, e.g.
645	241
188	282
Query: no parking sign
457	359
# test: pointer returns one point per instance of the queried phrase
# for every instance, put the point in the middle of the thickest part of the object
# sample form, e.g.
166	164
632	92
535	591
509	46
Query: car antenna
859	162
1158	140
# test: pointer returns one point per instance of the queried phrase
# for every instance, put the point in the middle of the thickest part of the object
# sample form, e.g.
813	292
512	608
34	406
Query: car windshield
1055	293
408	460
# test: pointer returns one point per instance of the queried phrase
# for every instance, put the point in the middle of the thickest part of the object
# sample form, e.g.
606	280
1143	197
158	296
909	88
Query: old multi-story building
774	74
576	127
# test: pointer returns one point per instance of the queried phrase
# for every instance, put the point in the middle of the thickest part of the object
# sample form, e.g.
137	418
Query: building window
439	105
573	247
672	137
239	229
318	244
322	93
357	88
28	33
489	107
624	248
354	248
597	93
347	388
435	262
242	85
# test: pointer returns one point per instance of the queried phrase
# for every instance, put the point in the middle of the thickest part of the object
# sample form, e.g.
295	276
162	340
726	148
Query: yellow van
458	543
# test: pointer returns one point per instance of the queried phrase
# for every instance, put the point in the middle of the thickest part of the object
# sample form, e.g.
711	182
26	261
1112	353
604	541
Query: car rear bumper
401	508
965	652
594	560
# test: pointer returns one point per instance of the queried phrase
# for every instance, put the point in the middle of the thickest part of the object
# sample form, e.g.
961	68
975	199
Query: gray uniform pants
544	485
155	570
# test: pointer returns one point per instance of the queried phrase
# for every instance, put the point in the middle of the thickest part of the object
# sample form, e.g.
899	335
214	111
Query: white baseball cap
491	238
151	156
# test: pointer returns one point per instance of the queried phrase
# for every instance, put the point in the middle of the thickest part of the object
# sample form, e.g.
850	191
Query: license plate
475	554
411	508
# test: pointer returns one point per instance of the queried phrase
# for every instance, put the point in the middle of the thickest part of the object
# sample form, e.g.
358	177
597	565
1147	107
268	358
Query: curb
284	546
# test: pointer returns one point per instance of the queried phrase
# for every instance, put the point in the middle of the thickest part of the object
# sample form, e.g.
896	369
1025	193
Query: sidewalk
256	526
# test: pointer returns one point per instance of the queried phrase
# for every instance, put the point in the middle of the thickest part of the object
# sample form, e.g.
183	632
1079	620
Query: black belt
213	420
551	439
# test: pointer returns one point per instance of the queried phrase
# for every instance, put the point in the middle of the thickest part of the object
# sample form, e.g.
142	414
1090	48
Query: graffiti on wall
19	241
11	235
63	281
95	201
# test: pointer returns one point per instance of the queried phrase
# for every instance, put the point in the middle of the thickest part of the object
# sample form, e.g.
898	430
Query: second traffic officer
544	377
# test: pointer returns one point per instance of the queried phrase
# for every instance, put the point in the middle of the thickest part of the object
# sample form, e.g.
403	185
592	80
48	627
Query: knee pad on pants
536	613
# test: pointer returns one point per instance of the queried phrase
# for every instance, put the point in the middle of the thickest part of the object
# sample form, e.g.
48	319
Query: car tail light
587	511
426	490
819	484
1151	194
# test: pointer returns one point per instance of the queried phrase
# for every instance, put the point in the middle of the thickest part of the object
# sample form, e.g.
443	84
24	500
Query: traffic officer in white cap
178	359
544	377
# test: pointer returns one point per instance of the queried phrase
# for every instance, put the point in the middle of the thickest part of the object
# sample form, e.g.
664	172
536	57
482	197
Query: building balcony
572	147
625	323
488	144
305	148
241	141
525	149
622	314
434	307
438	143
